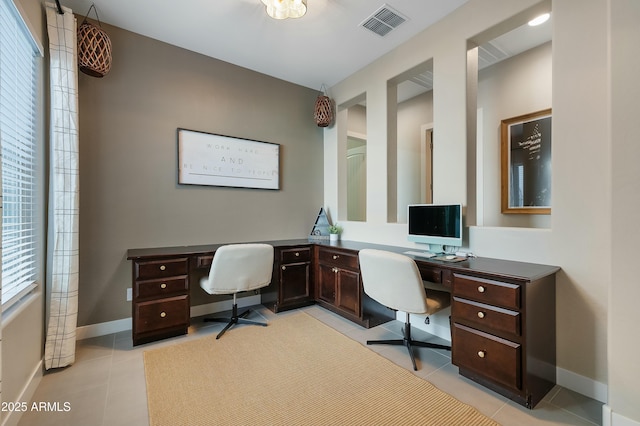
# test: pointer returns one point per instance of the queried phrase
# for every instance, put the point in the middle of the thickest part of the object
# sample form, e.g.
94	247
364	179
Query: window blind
18	97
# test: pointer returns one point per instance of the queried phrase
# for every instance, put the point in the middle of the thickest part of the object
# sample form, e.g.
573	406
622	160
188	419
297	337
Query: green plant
335	229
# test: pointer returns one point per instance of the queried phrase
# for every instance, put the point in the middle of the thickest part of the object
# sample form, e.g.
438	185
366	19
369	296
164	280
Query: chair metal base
235	319
408	342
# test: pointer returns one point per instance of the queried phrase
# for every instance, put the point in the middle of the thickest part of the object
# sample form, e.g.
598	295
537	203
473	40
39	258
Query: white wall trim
103	328
581	384
609	418
13	417
125	324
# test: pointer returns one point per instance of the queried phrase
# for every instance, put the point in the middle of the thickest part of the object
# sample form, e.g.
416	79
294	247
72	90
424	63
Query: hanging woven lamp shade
323	111
94	49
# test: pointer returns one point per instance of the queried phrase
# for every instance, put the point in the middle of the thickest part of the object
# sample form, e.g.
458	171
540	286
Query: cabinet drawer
295	255
496	359
160	287
486	316
160	268
161	314
488	291
339	259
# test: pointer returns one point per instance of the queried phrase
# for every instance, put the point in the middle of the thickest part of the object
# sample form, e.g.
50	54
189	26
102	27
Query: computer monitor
438	225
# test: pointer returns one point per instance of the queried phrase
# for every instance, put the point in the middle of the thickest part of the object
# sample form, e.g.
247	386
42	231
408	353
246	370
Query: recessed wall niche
410	140
352	164
510	74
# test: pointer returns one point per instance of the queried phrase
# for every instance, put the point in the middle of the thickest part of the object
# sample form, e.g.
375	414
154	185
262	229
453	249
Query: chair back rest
240	267
393	280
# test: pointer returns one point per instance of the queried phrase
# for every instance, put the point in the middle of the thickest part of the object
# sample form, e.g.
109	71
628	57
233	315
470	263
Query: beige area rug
296	371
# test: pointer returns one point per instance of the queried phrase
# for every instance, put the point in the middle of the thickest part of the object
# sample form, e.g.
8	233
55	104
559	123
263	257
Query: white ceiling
323	47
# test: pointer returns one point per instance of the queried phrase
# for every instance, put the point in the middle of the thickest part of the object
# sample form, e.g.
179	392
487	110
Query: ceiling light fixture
283	9
539	20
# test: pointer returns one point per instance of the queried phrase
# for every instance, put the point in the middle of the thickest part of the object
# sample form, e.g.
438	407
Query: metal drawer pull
480	289
481	354
335	256
297	254
162	267
284	268
480	314
163	314
163	285
335	270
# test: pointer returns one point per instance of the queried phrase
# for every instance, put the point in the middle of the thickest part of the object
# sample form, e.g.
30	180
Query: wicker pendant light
324	111
94	48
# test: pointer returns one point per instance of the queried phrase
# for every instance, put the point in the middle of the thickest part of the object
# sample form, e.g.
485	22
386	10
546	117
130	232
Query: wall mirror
410	127
356	159
512	64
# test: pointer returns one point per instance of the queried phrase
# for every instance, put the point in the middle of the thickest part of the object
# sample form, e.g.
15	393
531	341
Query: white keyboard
425	254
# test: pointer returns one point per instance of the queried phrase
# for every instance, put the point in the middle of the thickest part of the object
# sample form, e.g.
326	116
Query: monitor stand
436	248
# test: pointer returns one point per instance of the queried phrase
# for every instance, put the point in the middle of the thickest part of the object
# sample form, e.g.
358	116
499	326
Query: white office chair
237	268
394	280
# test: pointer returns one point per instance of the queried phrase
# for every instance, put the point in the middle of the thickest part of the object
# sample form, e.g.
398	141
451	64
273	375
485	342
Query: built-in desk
502	312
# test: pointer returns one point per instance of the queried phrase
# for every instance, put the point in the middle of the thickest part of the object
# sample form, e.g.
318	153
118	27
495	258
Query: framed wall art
217	160
526	163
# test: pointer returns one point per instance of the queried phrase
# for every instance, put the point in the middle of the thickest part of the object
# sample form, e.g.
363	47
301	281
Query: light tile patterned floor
106	385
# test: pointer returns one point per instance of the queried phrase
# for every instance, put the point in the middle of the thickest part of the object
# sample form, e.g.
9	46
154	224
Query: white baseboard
609	418
125	324
103	328
583	385
12	418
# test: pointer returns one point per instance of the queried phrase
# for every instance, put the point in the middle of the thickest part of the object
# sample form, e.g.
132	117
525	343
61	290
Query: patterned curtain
63	190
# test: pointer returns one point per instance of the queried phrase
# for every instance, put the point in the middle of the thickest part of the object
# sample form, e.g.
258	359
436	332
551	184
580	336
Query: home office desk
502	312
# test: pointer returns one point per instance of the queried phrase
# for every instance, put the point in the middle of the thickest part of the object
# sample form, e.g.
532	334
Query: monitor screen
435	224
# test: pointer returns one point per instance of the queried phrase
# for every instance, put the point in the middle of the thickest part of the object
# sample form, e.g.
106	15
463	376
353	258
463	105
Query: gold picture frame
526	163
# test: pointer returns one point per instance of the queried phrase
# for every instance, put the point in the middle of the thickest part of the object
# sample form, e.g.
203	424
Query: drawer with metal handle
486	316
160	314
487	355
504	294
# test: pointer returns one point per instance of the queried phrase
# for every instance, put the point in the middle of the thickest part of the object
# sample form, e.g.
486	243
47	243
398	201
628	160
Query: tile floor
106	385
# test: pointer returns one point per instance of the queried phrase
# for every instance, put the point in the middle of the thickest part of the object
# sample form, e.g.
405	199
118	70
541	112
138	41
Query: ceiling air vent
383	20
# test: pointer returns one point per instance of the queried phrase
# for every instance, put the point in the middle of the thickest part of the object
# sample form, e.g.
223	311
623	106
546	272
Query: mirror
357	162
513	67
410	109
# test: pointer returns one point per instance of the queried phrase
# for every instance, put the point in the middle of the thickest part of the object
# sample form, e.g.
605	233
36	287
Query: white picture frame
218	160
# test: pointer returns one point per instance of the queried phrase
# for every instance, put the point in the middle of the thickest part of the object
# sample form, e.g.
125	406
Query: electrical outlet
129	294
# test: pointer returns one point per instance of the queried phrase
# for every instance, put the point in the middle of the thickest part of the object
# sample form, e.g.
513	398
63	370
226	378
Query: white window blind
18	96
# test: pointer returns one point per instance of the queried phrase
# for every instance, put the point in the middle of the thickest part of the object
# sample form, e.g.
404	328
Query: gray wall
129	196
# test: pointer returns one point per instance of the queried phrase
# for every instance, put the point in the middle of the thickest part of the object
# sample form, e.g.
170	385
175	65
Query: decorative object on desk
356	385
94	48
334	232
526	163
217	160
320	229
324	111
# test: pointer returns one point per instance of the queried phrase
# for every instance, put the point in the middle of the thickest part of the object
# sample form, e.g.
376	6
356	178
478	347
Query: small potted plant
334	232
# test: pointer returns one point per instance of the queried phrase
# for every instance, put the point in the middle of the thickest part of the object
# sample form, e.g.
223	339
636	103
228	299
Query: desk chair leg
408	342
235	319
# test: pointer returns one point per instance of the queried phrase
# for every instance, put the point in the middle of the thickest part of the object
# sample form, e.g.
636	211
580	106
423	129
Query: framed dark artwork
218	160
526	163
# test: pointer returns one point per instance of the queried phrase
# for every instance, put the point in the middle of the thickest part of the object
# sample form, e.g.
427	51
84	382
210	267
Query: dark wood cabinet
292	278
503	334
339	287
160	304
